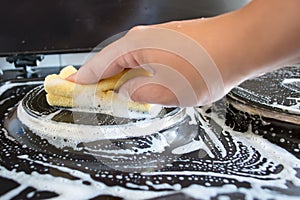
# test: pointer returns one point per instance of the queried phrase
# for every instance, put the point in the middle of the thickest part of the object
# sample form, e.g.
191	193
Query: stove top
214	152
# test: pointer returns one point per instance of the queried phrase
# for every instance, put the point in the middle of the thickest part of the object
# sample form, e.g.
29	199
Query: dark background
35	26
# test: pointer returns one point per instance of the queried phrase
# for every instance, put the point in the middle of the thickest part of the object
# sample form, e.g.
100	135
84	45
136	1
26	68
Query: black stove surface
218	152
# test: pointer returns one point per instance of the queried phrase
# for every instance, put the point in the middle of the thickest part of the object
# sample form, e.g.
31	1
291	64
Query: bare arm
262	36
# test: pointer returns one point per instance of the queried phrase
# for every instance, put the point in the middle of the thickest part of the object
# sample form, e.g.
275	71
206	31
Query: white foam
117	106
57	132
295	109
8	85
74	189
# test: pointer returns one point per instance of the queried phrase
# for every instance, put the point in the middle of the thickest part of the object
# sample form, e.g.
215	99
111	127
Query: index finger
110	61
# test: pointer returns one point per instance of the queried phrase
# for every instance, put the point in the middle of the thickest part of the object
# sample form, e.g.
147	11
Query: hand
183	73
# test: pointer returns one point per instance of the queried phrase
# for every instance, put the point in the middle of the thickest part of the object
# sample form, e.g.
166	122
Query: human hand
183	73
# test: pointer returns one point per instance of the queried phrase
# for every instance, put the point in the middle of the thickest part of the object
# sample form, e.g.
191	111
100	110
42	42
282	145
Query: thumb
146	90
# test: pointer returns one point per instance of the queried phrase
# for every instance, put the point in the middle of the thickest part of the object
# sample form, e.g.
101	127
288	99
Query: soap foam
170	182
63	134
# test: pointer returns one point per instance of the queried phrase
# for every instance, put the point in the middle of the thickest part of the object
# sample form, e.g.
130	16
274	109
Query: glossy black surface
80	25
278	91
223	157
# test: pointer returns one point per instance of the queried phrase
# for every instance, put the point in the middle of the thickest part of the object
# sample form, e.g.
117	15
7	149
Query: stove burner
35	104
68	128
276	94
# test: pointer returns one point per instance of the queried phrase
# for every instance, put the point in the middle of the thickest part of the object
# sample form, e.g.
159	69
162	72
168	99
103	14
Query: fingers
123	53
108	62
166	87
96	68
183	72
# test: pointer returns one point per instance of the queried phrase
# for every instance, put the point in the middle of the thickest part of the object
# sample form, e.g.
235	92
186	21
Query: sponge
64	93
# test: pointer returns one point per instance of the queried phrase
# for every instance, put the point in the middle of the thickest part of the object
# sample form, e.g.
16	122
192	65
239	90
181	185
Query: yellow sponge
57	85
64	93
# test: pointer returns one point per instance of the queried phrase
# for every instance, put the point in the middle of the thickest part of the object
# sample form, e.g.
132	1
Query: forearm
258	38
269	34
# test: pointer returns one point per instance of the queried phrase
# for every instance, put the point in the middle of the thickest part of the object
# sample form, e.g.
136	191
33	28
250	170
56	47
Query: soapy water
211	155
277	91
292	84
86	125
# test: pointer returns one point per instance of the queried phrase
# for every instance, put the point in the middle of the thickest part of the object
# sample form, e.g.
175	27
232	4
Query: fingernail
123	93
71	77
149	69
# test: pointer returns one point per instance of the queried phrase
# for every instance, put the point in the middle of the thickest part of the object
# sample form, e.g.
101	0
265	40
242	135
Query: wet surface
213	152
35	104
277	91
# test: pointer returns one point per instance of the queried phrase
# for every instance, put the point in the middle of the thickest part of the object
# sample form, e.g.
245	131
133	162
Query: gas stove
245	146
222	150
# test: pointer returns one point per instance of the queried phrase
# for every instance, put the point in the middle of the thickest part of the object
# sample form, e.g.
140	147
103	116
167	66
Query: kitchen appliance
245	146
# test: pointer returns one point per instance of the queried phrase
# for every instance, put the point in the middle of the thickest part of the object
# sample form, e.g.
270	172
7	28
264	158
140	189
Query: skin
258	38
